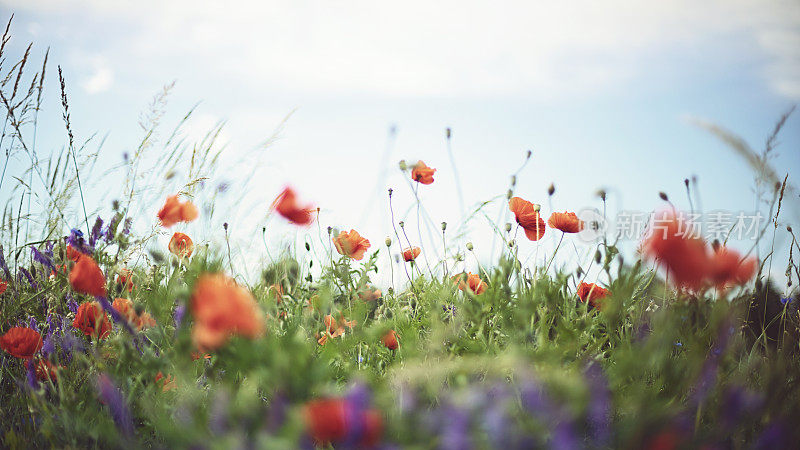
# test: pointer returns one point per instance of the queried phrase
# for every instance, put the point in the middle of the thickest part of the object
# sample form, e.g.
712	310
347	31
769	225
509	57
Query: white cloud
444	48
100	80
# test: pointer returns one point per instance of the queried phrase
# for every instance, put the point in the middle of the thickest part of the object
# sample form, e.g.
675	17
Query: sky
605	95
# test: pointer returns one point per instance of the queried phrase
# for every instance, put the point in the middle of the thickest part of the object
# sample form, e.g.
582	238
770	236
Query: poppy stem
553	256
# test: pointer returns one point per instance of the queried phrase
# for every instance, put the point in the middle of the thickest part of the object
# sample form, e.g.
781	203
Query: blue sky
601	92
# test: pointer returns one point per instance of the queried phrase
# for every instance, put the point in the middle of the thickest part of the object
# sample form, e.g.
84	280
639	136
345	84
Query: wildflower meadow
120	327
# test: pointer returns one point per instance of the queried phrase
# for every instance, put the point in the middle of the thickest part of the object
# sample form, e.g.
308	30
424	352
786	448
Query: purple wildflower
126	228
96	232
42	259
77	241
3	264
180	312
111	228
28	276
49	346
599	409
32	324
113	399
31	375
455	430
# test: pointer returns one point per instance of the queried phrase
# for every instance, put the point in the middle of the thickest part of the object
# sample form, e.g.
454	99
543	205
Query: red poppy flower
591	293
390	340
370	294
181	245
221	308
198	355
567	222
168	382
685	256
527	217
334	329
174	211
125	278
351	244
3	286
728	268
21	342
411	254
72	254
331	421
286	205
473	282
139	321
422	173
87	278
45	370
92	320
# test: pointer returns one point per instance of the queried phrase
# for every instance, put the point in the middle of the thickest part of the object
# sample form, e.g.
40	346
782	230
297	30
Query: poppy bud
513	180
330	230
598	256
508	227
579	272
390	192
447	132
509	194
686	182
309	278
403	165
602	194
789	228
308	247
388	241
469	246
537	207
115	205
225	225
263	230
528	156
551	190
510	244
444	226
402	224
311	263
663	196
459	257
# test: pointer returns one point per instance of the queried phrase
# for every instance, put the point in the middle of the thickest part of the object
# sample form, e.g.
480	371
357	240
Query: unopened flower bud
403	165
330	230
528	156
388	241
508	227
510	244
663	196
308	247
513	180
444	226
551	190
509	194
598	256
402	224
602	194
447	132
469	246
537	207
390	192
